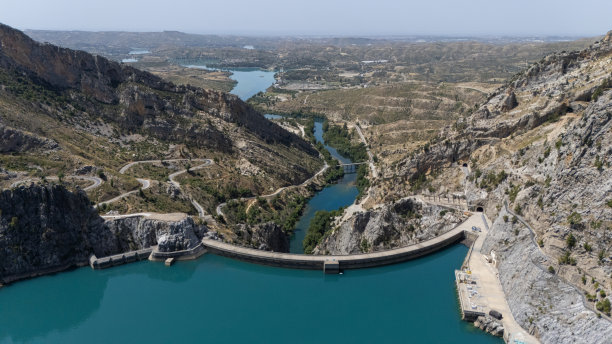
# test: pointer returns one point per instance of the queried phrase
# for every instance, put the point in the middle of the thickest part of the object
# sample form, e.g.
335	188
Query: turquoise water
218	300
250	80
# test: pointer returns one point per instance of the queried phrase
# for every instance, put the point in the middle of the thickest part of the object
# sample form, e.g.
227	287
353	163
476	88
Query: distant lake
250	80
130	60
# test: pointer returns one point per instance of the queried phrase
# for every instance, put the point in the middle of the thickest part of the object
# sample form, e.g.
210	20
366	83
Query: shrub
587	247
570	240
505	218
541	203
598	163
574	218
567	259
551	269
513	192
604	306
584	279
518	210
541	242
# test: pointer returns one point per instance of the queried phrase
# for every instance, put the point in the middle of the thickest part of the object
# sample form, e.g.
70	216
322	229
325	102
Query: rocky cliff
266	236
402	223
546	306
48	228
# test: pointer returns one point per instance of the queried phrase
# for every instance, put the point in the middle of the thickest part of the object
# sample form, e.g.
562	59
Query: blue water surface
219	300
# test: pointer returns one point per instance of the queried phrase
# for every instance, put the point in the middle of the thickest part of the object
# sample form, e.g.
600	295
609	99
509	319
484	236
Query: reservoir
219	300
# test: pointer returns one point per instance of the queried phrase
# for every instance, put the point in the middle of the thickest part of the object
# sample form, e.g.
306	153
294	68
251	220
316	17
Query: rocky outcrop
489	325
134	233
405	222
17	141
267	236
270	237
509	102
48	228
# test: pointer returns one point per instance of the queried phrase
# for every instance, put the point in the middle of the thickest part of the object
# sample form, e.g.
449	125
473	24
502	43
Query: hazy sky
317	17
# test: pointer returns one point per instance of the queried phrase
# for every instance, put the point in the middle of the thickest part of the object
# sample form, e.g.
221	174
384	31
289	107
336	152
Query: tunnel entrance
465	164
479	209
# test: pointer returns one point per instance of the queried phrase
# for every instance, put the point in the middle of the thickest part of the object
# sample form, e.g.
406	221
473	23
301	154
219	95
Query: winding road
146	183
370	155
95	180
220	207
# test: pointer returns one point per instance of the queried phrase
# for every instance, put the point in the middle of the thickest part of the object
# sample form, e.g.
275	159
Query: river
219	300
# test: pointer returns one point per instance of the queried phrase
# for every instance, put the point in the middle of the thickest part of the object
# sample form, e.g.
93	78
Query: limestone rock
509	102
490	325
267	236
405	222
45	227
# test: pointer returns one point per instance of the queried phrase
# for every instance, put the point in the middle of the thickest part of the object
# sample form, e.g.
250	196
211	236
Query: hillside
67	113
536	158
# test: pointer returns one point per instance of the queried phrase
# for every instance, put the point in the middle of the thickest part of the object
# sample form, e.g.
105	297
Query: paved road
492	295
95	180
128	166
370	156
220	207
147	183
199	208
114	217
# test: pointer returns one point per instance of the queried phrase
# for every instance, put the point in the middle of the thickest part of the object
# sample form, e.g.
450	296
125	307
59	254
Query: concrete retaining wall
119	259
190	254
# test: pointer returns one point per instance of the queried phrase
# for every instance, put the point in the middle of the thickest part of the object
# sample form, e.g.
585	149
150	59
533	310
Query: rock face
47	228
509	102
549	308
270	237
489	325
135	233
267	236
405	222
